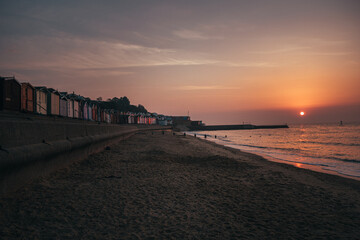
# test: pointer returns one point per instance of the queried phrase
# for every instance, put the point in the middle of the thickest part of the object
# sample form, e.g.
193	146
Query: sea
330	148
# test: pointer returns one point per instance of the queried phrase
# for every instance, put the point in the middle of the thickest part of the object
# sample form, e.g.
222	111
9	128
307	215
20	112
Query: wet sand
154	186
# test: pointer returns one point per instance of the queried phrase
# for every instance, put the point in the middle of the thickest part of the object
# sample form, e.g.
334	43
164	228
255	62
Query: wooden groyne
235	127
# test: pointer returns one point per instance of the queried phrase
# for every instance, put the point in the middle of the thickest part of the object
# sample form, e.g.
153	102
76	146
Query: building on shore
85	110
10	94
63	105
181	120
164	120
53	102
41	102
27	97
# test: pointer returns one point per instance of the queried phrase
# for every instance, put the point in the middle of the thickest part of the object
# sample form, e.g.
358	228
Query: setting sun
302	113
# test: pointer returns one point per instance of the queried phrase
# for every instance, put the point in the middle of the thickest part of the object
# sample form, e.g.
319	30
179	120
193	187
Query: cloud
304	46
246	64
75	53
67	53
204	87
193	35
326	42
282	50
329	53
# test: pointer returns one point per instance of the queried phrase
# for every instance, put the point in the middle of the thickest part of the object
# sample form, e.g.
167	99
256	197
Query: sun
302	113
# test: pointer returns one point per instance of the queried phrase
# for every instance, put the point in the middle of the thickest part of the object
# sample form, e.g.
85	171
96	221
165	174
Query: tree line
122	104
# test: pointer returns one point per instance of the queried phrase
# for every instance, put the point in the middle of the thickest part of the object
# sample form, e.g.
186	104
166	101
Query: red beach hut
27	97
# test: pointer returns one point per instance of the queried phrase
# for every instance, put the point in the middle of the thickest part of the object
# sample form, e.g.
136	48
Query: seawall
30	148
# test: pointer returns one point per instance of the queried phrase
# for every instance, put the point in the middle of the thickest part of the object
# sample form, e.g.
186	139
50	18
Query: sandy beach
155	186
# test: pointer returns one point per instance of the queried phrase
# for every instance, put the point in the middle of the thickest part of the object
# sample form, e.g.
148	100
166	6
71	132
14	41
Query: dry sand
154	186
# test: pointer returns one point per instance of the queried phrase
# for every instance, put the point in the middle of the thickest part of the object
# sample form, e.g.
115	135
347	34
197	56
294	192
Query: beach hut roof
27	84
76	97
42	88
53	91
63	96
10	79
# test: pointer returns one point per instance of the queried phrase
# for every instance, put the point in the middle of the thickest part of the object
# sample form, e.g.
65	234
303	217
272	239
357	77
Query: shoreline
155	185
311	167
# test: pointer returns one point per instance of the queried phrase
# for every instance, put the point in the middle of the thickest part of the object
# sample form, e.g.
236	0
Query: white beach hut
41	100
63	105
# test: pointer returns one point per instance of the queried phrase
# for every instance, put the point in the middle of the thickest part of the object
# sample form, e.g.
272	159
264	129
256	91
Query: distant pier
235	127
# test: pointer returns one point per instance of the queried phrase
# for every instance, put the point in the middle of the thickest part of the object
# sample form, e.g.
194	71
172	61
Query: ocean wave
292	152
274	148
333	143
336	149
342	159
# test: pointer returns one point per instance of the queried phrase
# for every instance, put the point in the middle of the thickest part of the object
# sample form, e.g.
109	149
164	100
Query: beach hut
94	111
94	107
114	116
90	110
41	95
146	120
108	116
85	110
153	120
136	119
81	113
10	94
27	97
76	108
132	118
70	108
123	118
101	115
77	103
53	102
63	105
105	115
141	119
98	114
81	107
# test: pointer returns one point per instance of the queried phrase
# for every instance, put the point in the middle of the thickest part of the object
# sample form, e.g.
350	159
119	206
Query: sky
223	62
